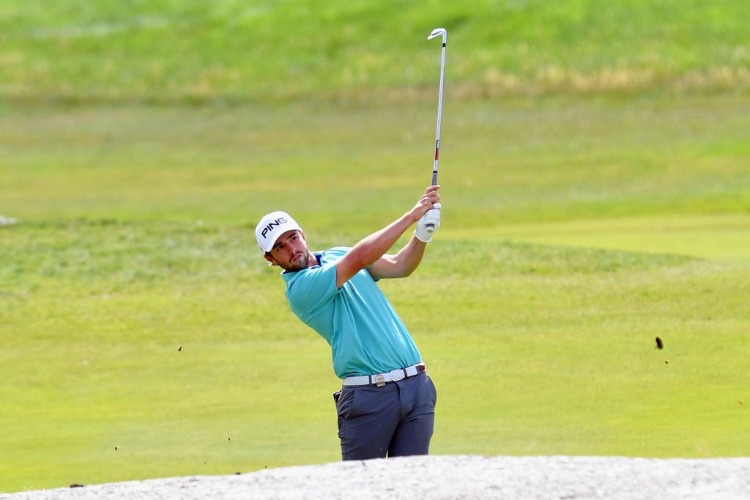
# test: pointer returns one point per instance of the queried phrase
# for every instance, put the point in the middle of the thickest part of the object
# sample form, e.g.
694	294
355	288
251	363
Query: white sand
454	477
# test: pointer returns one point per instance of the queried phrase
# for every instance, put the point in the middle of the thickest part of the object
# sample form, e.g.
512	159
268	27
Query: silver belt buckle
378	380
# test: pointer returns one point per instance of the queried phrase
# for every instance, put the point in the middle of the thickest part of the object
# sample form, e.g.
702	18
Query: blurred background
595	166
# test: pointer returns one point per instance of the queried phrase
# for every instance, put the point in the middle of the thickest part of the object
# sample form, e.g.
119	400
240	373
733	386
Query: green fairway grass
715	237
595	173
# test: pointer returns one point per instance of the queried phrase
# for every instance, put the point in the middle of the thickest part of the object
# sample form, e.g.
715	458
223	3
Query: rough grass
230	50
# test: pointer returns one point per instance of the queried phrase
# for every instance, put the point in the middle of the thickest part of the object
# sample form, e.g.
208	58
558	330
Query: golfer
386	406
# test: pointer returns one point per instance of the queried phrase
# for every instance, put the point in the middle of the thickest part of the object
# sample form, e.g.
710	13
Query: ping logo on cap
271	226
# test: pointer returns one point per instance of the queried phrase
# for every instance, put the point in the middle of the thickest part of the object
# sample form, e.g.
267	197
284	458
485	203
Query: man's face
290	251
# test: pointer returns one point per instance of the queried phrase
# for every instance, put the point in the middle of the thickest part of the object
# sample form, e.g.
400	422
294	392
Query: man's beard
299	262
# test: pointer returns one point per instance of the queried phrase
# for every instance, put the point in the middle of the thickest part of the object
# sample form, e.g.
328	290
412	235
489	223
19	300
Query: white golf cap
271	226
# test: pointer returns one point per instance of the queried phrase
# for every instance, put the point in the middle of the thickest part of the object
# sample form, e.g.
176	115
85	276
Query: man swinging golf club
386	406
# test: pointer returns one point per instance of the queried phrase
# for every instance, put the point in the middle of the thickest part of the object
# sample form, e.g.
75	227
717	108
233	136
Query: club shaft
439	114
438	32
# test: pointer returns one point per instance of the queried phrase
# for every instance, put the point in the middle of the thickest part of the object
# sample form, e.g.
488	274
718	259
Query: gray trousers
394	420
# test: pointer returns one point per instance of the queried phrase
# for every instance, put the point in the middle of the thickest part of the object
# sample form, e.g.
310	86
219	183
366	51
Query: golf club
435	33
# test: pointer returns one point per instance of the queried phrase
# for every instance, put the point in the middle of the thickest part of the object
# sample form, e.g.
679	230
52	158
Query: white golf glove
428	224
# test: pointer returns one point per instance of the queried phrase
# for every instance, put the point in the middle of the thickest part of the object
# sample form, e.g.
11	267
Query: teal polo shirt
366	335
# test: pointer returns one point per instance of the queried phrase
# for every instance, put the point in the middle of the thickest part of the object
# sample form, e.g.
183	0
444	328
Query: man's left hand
428	224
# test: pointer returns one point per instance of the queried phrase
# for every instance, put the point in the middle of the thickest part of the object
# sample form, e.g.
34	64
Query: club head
438	32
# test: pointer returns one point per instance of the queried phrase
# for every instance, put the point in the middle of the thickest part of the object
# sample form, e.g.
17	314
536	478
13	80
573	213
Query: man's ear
270	259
